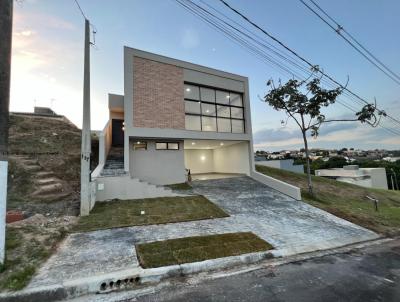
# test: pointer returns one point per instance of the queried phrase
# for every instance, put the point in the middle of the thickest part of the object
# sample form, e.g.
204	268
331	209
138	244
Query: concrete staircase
48	187
114	165
118	184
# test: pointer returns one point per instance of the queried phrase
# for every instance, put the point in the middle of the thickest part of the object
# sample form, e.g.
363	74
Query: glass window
191	92
161	146
173	146
207	94
192	107
223	111
237	126
237	112
209	123
222	97
139	146
236	99
192	122
207	109
224	125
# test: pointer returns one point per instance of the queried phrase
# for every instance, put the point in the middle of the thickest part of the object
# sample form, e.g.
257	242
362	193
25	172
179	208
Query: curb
134	279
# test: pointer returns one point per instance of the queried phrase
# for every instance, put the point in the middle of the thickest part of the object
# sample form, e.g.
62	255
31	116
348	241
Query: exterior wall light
203	158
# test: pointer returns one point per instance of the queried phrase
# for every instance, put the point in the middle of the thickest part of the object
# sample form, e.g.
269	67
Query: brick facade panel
158	100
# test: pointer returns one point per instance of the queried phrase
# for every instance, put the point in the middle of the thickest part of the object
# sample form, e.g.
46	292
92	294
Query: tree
302	101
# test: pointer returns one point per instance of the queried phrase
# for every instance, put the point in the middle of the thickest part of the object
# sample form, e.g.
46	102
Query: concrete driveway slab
290	226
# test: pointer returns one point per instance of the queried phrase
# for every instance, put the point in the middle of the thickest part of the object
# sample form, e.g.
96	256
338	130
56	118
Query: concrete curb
134	279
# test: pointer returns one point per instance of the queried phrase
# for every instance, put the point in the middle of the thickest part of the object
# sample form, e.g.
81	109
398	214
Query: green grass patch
122	213
199	248
181	186
26	249
346	200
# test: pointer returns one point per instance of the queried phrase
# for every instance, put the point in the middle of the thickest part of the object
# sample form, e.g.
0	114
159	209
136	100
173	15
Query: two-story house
175	117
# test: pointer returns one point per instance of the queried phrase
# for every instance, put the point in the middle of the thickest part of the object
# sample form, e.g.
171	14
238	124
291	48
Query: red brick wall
157	95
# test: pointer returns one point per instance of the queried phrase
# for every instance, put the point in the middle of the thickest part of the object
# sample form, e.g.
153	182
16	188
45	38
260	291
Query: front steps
114	165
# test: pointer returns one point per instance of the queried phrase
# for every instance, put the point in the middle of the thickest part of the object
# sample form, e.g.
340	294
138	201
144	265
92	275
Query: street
371	274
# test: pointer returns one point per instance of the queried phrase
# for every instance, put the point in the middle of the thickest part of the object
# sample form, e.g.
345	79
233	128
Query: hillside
44	165
347	201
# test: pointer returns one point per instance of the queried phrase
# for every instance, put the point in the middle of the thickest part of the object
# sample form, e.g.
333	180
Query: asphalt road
371	274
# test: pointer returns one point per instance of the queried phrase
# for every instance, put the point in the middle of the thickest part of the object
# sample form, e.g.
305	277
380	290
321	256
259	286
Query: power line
312	66
340	28
395	78
80	9
247	42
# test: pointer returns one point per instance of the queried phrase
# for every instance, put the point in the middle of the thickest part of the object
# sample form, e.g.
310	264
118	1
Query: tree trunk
310	188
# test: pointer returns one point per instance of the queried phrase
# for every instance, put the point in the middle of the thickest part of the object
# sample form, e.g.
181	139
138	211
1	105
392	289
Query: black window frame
216	116
167	146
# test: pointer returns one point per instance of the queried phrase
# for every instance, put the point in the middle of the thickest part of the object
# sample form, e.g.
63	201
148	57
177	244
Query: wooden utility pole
86	140
6	15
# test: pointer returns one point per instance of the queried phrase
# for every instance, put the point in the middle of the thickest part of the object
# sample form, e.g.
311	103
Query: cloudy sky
47	62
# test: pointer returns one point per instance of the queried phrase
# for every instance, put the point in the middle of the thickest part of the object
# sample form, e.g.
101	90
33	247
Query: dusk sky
47	62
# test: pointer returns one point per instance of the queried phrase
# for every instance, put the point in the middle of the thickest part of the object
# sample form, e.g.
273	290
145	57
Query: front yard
347	201
123	213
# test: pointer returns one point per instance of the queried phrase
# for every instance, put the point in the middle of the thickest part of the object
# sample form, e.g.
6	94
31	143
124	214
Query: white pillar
3	207
86	141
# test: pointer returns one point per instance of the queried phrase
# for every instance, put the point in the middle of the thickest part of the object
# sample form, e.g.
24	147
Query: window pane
223	111
192	107
222	97
237	112
237	126
236	99
224	125
191	92
192	122
207	95
173	146
209	123
208	109
140	146
161	146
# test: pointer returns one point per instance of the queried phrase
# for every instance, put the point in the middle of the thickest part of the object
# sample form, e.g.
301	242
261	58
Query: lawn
199	248
27	248
347	201
122	213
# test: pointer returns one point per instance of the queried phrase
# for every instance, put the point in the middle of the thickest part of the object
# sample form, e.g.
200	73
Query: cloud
190	39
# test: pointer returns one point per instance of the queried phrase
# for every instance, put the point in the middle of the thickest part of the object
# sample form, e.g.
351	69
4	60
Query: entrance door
117	133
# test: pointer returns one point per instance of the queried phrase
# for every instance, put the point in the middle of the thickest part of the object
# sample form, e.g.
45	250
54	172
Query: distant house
175	117
365	177
284	164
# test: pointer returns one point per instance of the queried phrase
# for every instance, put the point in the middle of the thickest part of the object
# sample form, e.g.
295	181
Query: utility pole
6	15
395	179
86	141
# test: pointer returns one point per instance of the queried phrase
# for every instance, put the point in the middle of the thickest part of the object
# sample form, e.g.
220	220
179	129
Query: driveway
290	226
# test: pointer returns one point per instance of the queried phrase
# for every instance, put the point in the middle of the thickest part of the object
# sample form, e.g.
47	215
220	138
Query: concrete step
54	196
33	168
29	162
44	174
47	181
48	189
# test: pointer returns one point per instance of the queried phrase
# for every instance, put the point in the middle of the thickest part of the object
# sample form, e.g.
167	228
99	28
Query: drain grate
119	284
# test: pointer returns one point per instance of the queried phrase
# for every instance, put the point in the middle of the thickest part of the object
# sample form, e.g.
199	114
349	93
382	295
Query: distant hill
44	171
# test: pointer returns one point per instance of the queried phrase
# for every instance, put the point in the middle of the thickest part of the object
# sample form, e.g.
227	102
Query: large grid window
209	109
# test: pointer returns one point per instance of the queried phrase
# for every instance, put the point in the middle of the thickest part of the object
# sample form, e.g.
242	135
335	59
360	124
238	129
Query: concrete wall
378	177
232	159
282	164
199	161
159	167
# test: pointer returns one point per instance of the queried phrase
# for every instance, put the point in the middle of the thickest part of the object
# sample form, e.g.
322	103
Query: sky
47	58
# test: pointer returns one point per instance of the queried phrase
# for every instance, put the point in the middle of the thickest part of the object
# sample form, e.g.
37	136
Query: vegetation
27	248
181	186
347	201
199	248
305	110
122	213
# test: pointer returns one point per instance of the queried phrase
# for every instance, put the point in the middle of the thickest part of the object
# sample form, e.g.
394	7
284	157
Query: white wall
160	167
232	159
199	161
